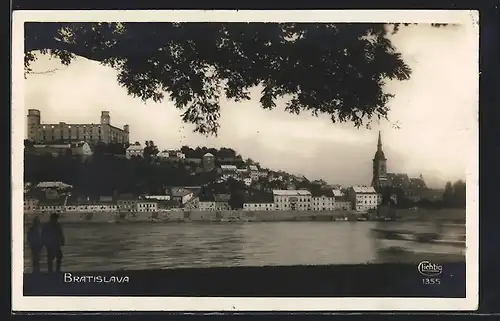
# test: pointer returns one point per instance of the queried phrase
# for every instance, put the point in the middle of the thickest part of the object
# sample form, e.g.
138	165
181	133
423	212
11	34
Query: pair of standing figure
51	237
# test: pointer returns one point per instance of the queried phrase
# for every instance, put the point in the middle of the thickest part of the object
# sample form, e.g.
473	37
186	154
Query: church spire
379	144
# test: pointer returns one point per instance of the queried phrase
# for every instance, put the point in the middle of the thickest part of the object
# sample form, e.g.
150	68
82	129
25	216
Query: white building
337	193
342	205
248	181
181	194
56	185
363	198
228	168
262	174
30	205
254	172
81	149
323	203
92	208
134	150
258	206
171	154
206	205
158	197
147	206
298	200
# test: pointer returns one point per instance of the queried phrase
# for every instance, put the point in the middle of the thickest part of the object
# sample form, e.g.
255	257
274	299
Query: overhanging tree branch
333	69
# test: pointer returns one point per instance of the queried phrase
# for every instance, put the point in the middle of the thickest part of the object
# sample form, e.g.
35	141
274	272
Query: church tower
379	166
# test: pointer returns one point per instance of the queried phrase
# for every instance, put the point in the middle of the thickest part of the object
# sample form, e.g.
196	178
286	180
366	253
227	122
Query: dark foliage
107	175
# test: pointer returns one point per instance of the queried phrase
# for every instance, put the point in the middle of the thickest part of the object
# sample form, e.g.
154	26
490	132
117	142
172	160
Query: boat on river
428	236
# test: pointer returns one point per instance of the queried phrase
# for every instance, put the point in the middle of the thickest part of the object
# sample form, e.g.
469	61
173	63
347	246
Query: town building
412	188
104	132
181	194
30	205
92	207
247	181
172	155
254	172
81	149
260	202
262	174
127	203
157	197
214	203
323	203
207	203
298	200
363	198
208	162
192	204
135	150
229	171
147	206
342	205
222	202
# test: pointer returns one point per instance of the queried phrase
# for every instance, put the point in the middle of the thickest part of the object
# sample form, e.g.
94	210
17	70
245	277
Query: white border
22	303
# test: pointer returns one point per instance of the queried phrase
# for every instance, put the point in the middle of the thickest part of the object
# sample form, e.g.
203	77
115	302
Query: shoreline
239	216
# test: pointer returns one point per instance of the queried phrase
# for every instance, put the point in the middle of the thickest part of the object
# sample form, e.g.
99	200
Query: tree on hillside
448	193
150	149
333	69
236	200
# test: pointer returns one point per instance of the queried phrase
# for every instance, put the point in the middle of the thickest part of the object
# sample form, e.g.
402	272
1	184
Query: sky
436	112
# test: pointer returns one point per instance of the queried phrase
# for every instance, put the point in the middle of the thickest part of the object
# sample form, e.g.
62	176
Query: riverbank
364	280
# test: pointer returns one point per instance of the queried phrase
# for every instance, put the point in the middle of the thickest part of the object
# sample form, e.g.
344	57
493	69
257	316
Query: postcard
245	160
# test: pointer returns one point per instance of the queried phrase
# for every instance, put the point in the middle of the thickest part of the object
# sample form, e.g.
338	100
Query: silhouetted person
53	239
35	243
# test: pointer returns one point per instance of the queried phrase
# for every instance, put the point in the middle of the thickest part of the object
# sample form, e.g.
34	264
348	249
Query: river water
96	247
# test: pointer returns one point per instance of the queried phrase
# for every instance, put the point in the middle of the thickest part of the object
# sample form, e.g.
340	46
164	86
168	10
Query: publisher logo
429	269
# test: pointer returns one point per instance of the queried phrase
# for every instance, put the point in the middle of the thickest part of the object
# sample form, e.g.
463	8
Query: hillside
105	174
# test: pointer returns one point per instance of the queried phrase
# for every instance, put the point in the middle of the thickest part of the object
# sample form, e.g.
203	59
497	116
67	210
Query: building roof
417	183
398	180
179	192
291	192
337	193
259	198
364	189
53	185
229	167
324	193
135	147
253	168
208	155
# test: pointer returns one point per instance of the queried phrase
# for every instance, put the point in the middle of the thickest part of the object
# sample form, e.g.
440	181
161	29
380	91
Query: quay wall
235	216
192	216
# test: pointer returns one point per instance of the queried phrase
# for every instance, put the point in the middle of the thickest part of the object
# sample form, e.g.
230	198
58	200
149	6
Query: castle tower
105	118
379	179
33	122
126	128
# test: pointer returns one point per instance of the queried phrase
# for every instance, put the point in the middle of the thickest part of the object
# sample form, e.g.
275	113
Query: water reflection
152	246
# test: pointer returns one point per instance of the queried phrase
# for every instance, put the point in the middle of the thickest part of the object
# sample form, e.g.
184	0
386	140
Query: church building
412	187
